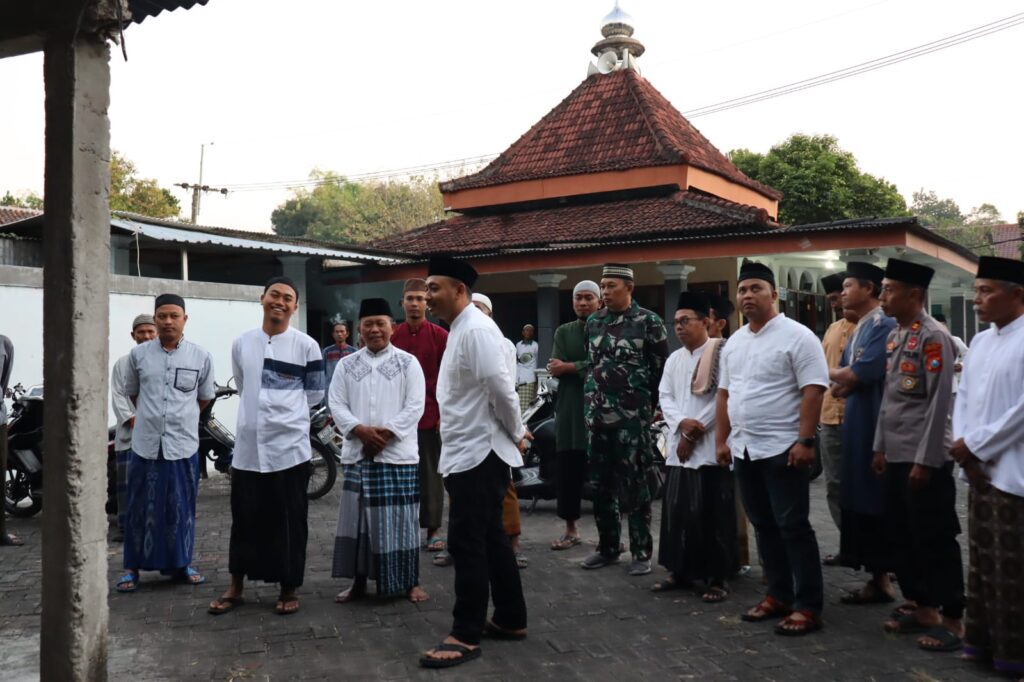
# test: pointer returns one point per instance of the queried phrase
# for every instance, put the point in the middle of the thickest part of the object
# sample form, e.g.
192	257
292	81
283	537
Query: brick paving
599	625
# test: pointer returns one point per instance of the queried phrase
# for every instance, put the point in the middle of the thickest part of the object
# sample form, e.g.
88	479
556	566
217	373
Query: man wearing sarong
170	381
377	397
426	341
143	329
6	365
830	443
698	512
627	346
769	400
482	435
280	376
526	366
988	424
860	378
569	364
912	442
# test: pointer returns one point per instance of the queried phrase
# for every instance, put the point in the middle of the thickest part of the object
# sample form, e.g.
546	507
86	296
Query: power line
753	98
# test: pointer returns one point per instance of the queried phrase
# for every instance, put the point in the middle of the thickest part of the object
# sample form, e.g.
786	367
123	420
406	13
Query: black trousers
569	478
921	529
777	499
482	554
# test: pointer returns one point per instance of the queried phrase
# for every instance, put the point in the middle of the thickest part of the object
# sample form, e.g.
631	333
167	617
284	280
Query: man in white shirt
988	425
170	380
482	435
698	512
526	367
773	377
143	329
280	376
377	396
961	352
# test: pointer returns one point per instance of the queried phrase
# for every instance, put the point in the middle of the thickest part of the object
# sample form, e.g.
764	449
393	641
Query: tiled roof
615	121
578	224
12	214
1006	240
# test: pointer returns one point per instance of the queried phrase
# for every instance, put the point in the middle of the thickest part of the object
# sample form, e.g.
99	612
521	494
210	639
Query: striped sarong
160	524
378	525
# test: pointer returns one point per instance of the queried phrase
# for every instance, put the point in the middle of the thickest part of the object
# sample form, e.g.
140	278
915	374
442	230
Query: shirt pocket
628	352
186	380
772	367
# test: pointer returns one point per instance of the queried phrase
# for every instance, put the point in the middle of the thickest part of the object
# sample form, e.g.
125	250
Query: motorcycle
326	453
23	480
536	479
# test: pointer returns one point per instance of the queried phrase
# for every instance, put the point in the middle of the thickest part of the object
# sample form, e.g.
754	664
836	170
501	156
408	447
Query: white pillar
547	313
184	265
294	267
676	275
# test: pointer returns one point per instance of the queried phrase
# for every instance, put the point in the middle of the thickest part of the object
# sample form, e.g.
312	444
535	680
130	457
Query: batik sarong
378	526
698	524
121	458
160	524
995	583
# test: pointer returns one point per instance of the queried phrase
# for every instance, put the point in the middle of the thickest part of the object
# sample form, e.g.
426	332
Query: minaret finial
618	49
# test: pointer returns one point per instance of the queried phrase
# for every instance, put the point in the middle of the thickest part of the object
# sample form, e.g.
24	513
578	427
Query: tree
22	200
128	192
945	218
984	216
820	181
338	209
935	212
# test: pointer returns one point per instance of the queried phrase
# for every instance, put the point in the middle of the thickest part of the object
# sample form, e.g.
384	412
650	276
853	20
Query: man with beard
860	378
427	341
830	442
627	347
280	375
698	513
569	364
769	400
912	442
988	424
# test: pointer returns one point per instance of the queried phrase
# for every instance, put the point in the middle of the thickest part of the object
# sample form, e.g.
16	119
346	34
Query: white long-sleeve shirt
385	390
679	403
477	396
526	362
124	408
279	378
989	412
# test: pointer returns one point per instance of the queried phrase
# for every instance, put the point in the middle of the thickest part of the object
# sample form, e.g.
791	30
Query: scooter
536	479
23	480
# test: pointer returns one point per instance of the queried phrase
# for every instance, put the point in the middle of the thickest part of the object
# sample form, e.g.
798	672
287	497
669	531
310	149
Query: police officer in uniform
911	448
627	347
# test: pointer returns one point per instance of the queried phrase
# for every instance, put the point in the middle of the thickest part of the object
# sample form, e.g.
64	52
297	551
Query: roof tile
12	214
1006	240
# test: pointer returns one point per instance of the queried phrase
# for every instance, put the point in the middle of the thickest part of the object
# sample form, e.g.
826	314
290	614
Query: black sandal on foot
492	629
714	595
467	654
947	641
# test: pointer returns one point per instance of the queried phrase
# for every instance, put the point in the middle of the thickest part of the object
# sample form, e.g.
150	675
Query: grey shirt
6	363
124	409
168	386
913	422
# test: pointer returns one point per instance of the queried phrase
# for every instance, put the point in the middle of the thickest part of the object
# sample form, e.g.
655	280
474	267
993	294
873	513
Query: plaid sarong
378	525
527	392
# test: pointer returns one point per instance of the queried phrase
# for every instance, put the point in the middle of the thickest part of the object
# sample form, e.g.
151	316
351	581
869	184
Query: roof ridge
722	206
660	135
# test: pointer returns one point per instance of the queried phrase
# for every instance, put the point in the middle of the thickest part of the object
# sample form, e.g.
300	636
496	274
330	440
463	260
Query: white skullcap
587	285
483	300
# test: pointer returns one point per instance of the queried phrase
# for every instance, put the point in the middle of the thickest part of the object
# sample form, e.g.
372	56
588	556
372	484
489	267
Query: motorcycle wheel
17	498
323	471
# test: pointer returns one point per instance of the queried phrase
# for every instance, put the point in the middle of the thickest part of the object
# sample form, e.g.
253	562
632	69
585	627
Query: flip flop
281	608
129	582
442	558
467	654
491	629
521	560
665	585
906	624
946	639
791	627
566	542
715	595
902	610
866	596
222	605
436	544
768	609
10	540
189	576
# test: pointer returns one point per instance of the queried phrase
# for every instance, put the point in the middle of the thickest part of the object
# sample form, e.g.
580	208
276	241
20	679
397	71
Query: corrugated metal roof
150	8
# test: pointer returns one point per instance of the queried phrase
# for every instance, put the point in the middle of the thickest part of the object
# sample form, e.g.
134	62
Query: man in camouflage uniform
627	346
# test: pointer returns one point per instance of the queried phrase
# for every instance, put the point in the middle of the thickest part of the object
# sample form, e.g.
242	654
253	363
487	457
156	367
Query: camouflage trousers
620	462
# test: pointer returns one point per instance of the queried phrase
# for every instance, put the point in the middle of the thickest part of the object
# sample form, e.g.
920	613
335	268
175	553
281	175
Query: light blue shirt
168	386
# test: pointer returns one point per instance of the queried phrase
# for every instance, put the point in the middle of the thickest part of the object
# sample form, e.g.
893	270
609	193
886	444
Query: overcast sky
281	88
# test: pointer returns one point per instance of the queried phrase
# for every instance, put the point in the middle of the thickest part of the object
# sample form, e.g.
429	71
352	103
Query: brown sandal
769	608
222	605
792	626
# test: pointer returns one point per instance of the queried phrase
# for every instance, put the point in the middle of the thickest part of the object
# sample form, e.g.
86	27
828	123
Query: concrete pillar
75	337
676	275
184	265
547	313
295	268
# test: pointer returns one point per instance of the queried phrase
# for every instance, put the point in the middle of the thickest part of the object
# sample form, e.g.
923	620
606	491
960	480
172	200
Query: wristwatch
806	442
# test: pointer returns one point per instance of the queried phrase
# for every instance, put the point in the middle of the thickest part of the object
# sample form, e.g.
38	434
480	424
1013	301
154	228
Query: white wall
212	323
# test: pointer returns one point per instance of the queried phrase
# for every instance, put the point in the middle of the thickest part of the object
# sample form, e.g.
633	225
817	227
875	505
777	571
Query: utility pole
199	186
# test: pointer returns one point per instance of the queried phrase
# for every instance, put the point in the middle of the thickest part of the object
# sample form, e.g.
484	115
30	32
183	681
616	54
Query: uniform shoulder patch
933	348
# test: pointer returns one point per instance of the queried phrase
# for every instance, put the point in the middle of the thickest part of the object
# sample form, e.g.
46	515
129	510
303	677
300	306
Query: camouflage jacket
627	353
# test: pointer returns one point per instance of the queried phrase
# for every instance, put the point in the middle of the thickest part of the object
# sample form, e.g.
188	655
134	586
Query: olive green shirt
571	346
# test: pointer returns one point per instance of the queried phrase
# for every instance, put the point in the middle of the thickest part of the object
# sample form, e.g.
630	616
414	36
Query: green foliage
945	218
820	181
337	209
22	200
128	192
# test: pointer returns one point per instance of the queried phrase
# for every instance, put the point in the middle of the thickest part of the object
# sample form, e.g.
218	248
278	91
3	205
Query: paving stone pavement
595	625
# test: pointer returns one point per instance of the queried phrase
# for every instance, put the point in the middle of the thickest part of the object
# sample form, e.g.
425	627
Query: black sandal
947	641
467	654
492	629
715	594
